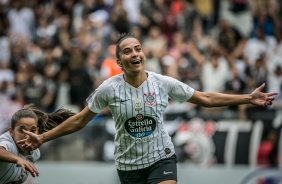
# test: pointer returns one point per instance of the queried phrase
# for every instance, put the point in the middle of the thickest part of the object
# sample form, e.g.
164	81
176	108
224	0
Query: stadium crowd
54	53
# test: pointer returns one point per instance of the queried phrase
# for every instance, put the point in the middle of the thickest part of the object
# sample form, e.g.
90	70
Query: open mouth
135	62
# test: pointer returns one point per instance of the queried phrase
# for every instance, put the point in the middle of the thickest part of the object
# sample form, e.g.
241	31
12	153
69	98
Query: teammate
16	162
144	152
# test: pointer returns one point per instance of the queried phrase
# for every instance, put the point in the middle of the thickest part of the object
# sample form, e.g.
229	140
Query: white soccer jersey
141	138
9	172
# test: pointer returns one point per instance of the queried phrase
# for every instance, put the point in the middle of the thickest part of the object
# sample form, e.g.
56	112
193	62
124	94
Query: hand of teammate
32	141
262	99
27	166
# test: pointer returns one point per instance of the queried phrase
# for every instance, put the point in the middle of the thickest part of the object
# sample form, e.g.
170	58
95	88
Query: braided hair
46	121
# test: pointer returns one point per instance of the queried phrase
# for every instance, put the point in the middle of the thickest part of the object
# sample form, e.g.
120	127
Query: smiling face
131	56
26	123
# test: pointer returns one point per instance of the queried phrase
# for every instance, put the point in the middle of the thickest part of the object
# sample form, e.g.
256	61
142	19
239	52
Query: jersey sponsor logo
150	99
140	126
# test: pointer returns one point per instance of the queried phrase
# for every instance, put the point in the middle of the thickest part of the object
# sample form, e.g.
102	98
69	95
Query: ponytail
48	121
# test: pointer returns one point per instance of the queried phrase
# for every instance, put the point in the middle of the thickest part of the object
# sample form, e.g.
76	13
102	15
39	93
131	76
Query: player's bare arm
213	99
6	156
69	126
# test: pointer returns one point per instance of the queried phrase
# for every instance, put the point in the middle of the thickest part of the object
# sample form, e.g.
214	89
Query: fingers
22	141
27	132
261	86
28	146
32	170
272	94
28	166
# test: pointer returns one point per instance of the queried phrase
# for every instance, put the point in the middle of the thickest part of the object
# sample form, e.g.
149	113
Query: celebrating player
144	152
16	162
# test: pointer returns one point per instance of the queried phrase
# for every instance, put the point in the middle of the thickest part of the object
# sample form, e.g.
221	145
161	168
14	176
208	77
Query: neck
135	80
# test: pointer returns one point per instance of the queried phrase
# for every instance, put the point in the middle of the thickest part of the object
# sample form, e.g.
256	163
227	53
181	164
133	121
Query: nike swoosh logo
168	172
124	100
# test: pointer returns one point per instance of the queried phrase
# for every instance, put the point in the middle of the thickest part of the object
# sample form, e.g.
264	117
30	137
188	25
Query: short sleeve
98	99
9	146
34	156
178	90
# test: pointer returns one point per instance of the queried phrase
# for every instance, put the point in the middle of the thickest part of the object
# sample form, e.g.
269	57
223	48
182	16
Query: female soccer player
144	152
16	162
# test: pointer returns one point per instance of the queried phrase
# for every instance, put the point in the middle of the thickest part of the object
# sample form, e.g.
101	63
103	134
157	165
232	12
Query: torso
9	171
141	138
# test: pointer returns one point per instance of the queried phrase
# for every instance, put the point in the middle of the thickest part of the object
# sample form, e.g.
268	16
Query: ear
10	130
119	63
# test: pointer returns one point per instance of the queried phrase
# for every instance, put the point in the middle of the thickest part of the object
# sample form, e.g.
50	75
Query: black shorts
163	170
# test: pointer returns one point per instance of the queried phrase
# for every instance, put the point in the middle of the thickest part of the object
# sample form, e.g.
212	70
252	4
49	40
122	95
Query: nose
134	54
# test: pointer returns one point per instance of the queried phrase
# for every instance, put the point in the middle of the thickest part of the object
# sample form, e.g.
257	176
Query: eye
126	52
138	49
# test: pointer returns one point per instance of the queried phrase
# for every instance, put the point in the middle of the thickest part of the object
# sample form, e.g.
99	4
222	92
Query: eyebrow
25	126
130	48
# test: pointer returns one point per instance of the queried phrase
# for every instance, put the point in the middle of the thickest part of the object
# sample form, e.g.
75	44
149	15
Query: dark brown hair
46	121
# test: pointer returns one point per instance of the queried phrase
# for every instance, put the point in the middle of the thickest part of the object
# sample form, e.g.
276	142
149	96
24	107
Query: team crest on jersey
140	126
150	99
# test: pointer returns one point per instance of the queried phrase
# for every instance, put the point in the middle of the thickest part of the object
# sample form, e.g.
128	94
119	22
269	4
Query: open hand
27	166
262	99
32	141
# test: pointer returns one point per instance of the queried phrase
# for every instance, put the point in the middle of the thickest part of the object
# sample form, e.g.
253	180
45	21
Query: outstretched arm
69	126
212	99
6	156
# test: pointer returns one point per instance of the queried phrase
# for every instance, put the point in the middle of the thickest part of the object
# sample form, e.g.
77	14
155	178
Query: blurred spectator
132	8
45	32
169	13
22	21
215	73
178	46
120	19
7	75
36	89
9	99
109	66
169	66
205	8
267	151
274	82
9	105
63	35
258	71
5	54
236	85
155	43
228	38
260	45
188	18
265	15
237	13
